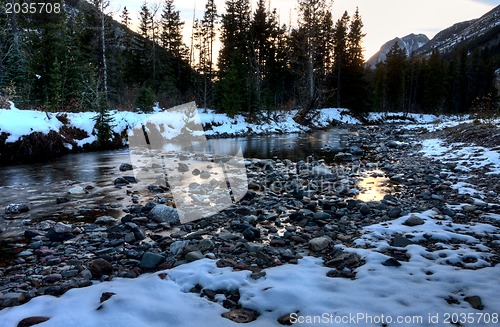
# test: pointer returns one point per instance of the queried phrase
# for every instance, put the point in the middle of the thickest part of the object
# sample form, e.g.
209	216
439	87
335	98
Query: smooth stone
151	260
125	167
322	216
391	262
105	220
475	302
194	255
365	209
100	267
319	243
16	208
414	221
401	242
164	214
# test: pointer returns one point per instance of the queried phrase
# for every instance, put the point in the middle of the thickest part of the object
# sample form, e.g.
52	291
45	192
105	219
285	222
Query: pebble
319	243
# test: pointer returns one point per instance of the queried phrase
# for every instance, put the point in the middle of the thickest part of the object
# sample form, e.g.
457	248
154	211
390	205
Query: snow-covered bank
19	123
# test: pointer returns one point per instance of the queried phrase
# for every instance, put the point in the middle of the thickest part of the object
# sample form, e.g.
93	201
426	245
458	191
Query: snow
418	289
466	157
24	122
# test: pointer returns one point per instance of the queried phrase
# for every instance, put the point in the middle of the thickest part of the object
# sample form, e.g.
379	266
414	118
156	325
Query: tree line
81	59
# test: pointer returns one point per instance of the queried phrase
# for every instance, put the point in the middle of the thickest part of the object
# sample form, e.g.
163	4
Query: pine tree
341	54
395	78
171	34
234	57
355	83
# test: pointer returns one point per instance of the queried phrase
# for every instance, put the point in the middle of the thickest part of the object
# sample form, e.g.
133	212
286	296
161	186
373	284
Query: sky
383	19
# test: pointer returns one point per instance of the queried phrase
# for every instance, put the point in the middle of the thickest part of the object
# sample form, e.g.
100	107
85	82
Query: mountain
477	33
410	43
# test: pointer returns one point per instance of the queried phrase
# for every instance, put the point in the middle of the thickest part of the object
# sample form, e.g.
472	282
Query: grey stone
414	221
194	255
319	243
205	175
151	260
125	167
365	209
164	214
16	208
100	267
322	216
62	228
105	220
178	247
391	262
475	302
182	167
400	242
394	213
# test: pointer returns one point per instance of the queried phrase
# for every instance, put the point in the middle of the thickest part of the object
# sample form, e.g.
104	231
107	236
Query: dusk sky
383	19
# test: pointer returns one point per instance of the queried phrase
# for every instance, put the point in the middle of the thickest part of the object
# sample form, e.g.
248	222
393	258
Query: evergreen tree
234	57
171	35
341	55
434	87
395	86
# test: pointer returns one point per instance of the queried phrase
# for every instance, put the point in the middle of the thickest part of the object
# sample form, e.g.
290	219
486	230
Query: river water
40	184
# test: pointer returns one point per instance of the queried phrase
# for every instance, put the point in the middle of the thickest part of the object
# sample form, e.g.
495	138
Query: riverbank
29	135
430	226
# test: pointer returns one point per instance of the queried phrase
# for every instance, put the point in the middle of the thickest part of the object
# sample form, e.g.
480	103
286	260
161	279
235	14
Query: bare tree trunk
104	62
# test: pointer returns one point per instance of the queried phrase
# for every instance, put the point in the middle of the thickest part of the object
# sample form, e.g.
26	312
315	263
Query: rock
392	144
86	274
341	274
196	172
414	221
251	233
205	245
12	299
475	302
400	242
394	213
241	315
355	150
130	179
258	275
286	320
120	181
148	207
341	156
322	216
365	209
77	190
391	262
15	208
205	175
138	233
194	255
125	167
319	243
52	278
100	267
31	321
164	214
344	260
151	260
61	200
178	247
53	236
182	167
105	220
106	296
62	228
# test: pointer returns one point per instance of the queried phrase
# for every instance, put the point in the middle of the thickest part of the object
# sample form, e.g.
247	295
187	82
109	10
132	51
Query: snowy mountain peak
410	43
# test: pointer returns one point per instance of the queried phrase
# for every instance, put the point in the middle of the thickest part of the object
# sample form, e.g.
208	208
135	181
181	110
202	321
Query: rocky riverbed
292	210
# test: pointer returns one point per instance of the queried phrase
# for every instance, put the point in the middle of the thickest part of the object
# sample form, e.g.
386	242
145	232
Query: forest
81	59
